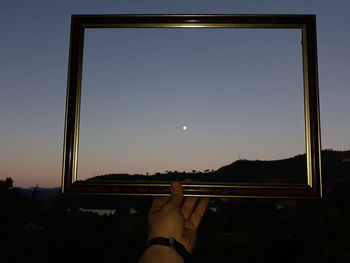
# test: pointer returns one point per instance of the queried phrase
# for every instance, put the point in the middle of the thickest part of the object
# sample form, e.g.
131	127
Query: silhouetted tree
8	182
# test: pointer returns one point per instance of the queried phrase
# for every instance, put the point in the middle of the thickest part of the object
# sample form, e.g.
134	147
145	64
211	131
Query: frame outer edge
79	22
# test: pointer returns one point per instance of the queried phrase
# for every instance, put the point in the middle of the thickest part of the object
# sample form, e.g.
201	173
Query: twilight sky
199	78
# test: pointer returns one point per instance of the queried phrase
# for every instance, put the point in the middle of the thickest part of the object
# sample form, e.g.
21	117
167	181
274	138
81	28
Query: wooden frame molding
307	25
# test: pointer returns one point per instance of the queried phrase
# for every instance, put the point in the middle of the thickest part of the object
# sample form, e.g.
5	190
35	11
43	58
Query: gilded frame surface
307	24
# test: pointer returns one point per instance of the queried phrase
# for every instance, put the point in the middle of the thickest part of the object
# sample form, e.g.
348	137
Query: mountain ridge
288	170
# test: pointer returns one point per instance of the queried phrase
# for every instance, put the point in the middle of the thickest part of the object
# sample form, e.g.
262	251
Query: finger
199	211
188	206
176	194
189	203
158	203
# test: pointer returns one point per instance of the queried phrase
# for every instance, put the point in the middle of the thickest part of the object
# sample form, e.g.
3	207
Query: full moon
184	128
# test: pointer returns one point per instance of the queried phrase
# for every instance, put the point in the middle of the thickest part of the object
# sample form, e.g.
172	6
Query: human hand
176	217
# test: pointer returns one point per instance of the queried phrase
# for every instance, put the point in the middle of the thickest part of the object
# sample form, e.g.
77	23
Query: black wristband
170	242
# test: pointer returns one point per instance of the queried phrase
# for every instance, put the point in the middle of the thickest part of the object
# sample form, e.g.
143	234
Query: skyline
33	75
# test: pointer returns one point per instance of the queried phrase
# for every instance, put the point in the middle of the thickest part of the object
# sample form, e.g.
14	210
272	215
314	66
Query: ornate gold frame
307	24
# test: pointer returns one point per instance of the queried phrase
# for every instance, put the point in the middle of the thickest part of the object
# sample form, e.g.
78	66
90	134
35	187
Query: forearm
159	253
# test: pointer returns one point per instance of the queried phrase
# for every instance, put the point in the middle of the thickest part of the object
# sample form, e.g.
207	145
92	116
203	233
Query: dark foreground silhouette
290	170
36	227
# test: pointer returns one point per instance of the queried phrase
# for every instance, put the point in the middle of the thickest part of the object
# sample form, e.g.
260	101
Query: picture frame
306	23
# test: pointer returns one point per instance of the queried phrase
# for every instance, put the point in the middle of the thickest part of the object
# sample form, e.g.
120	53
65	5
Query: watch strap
170	242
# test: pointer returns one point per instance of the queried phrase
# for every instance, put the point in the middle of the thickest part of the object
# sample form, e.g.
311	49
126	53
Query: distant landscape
290	170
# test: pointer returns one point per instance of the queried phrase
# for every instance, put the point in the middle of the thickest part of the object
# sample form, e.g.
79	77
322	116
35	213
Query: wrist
160	253
170	243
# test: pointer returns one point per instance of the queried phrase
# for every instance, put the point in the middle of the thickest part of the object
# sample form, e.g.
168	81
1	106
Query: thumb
176	194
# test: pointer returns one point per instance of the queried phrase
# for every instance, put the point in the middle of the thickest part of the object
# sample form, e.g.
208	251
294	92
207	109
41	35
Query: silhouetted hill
336	168
291	170
336	173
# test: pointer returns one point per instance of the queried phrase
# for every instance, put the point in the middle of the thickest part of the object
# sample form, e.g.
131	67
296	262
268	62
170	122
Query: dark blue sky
239	92
33	73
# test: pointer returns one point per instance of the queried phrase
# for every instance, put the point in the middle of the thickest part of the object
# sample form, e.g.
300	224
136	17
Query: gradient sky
34	47
238	91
